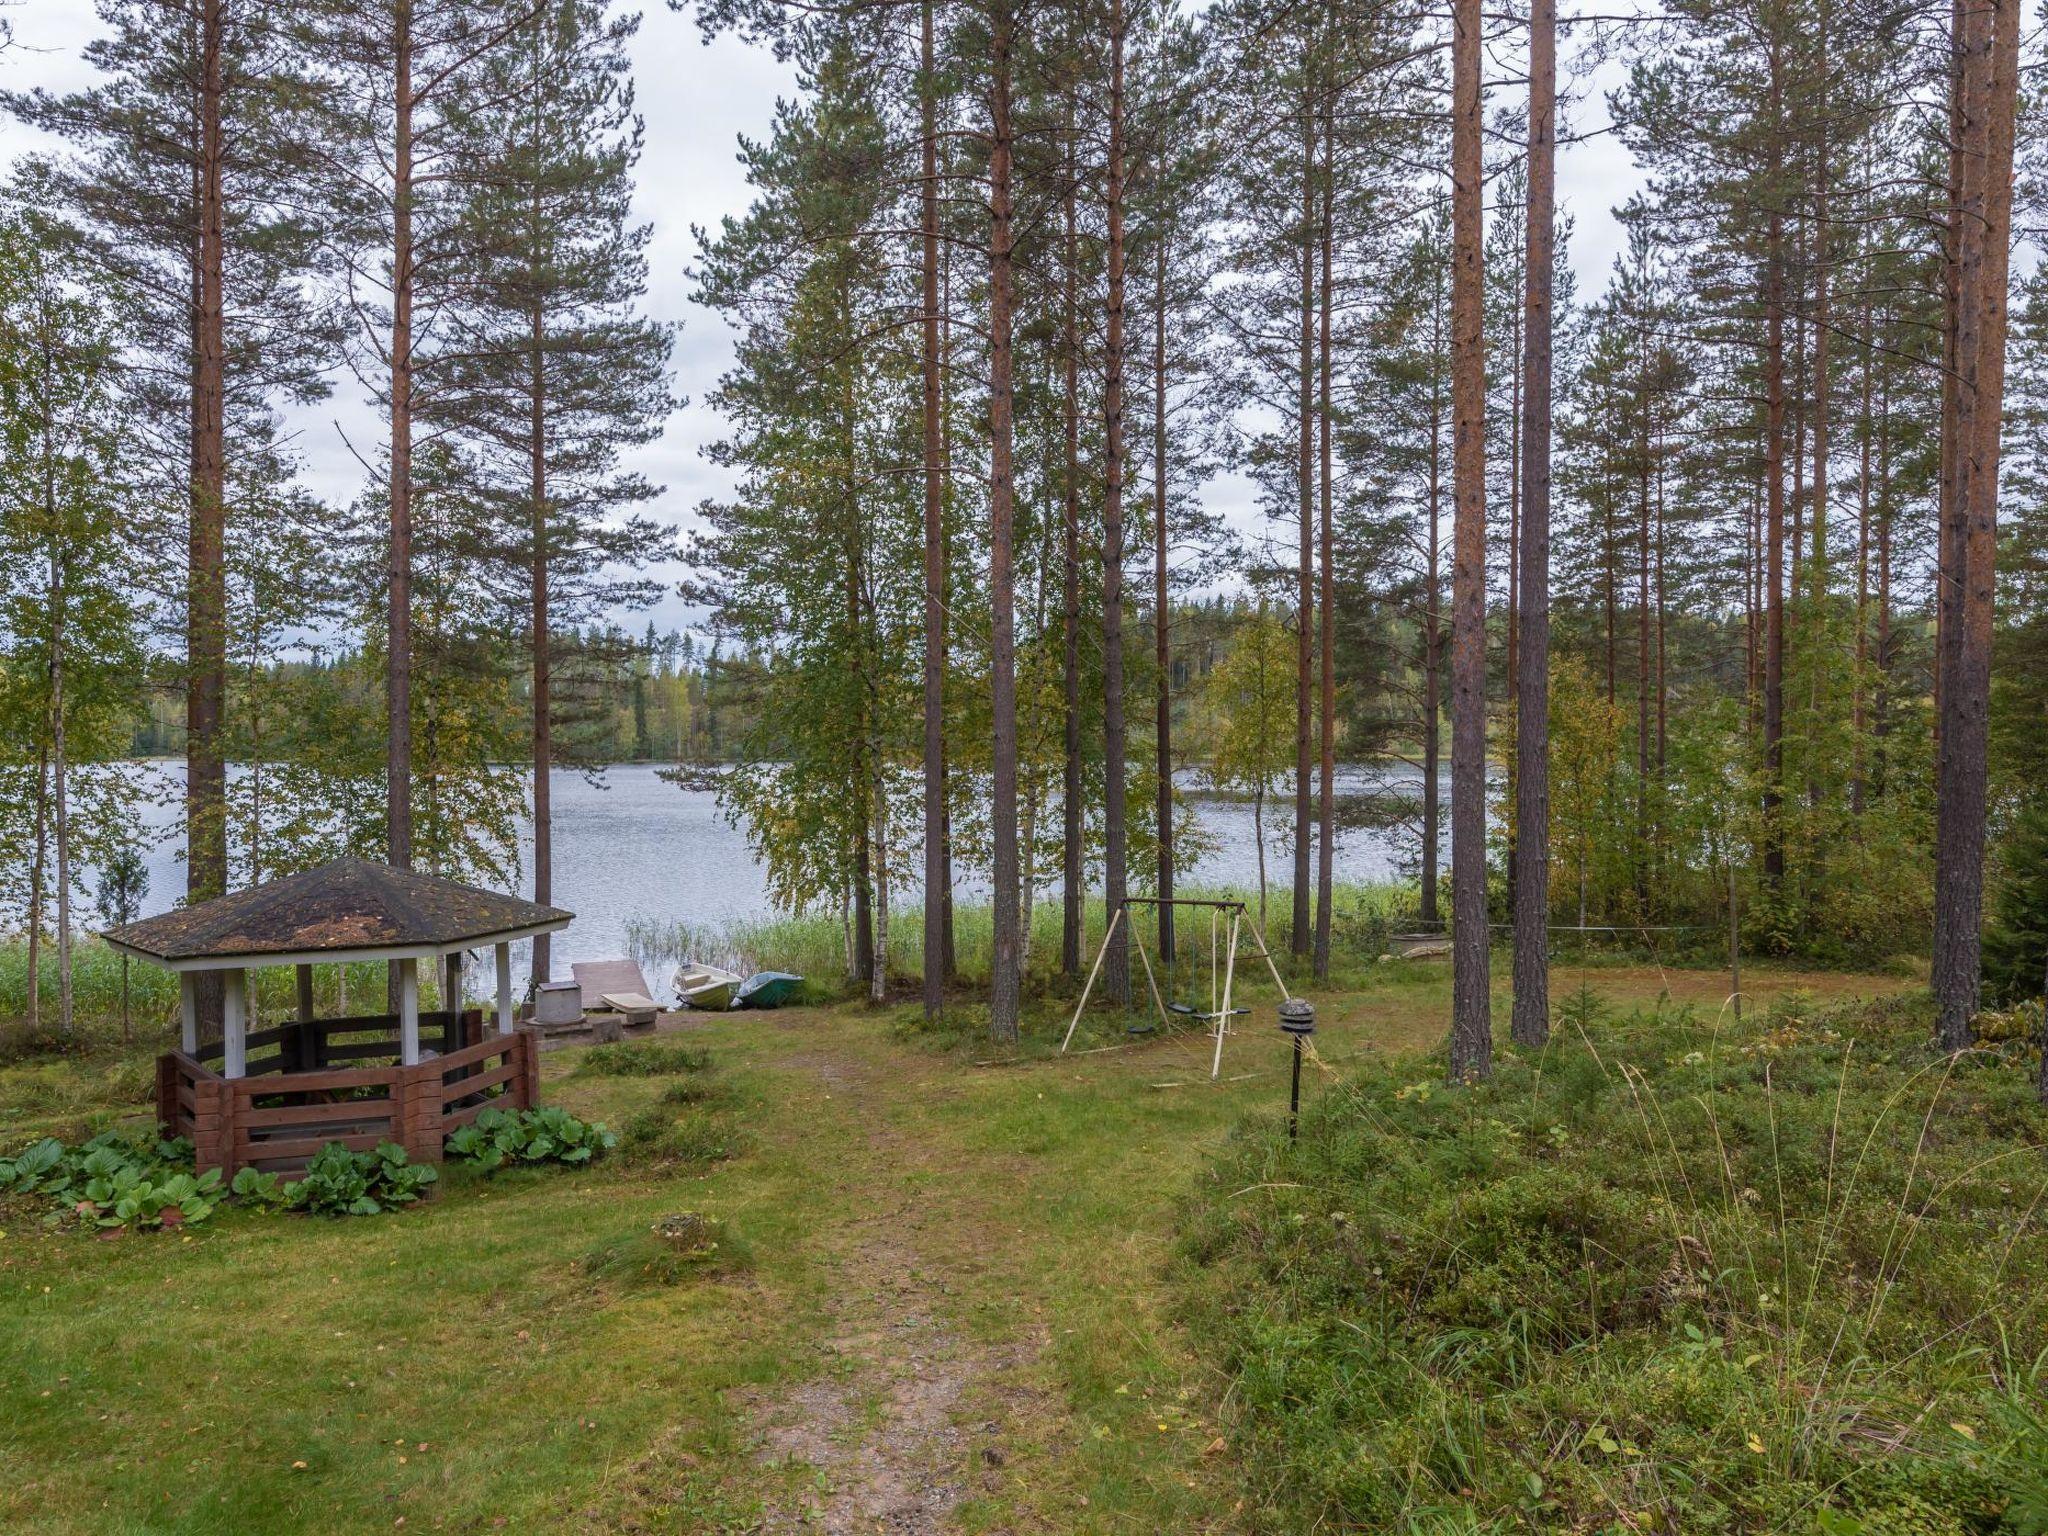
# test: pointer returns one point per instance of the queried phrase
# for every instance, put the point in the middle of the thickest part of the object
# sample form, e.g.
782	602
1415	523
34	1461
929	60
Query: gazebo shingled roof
278	1109
313	1081
344	909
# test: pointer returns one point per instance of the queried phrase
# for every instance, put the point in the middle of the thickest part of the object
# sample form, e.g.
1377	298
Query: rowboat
705	987
766	989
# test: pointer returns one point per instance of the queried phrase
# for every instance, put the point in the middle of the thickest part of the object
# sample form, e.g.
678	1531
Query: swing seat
1185	1010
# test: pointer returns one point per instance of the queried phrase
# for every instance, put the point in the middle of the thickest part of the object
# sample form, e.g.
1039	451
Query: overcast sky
697	100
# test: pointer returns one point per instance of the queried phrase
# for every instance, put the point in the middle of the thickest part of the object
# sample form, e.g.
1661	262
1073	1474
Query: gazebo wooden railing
277	1118
311	1045
271	1098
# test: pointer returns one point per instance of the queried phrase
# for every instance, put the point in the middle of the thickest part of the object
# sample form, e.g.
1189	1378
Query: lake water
632	845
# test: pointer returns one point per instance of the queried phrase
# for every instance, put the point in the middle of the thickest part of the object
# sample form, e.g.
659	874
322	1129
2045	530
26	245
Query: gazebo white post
188	1013
409	1011
504	958
234	1018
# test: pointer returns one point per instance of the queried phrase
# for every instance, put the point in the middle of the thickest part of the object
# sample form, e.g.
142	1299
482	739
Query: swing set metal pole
1108	933
1266	954
1152	982
1223	1016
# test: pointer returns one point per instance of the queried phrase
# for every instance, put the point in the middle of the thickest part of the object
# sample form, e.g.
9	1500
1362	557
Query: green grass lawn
1008	1225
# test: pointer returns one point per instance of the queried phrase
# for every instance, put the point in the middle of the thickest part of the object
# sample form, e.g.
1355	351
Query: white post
188	1013
234	1018
409	1012
1223	1016
504	954
1089	986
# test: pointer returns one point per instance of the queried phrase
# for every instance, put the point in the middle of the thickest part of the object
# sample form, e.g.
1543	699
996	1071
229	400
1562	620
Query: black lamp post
1298	1019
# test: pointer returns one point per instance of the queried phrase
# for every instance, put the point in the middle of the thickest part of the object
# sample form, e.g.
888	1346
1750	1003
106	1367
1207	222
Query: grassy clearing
517	1348
1672	1274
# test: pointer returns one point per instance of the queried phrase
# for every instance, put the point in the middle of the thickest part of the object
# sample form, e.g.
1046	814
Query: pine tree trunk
543	653
1116	968
1074	896
1004	992
1298	936
1881	702
1531	1019
1511	627
60	773
1858	711
1326	789
936	878
398	658
1752	596
1990	59
866	766
1432	642
206	843
1162	615
1774	557
949	953
878	983
1643	538
1797	505
1661	687
1609	584
1818	554
1947	562
1471	1054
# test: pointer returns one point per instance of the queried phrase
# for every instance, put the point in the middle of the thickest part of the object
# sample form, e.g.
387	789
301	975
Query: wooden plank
376	1027
367	1050
469	1055
474	1078
504	1072
224	1094
302	1114
338	1124
322	1082
191	1066
455	1119
300	1151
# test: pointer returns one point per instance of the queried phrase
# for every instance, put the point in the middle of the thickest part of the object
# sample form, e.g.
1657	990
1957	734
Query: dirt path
906	1418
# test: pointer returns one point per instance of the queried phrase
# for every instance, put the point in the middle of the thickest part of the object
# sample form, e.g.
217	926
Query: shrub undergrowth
652	1058
1665	1275
498	1138
669	1251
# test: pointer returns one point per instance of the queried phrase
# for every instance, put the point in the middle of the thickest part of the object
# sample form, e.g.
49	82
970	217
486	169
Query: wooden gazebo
272	1097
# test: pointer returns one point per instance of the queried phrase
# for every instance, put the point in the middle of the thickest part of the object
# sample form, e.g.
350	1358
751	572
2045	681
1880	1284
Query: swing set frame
1231	918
